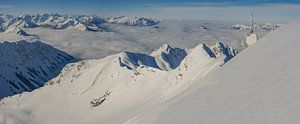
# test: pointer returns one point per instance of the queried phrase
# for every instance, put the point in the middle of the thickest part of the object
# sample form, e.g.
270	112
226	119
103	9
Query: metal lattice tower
251	31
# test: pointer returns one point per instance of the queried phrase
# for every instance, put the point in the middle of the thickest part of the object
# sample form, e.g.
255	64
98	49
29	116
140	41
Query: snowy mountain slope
260	85
26	66
106	91
168	58
55	21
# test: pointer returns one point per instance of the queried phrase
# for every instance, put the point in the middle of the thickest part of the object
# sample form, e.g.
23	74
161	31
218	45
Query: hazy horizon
224	10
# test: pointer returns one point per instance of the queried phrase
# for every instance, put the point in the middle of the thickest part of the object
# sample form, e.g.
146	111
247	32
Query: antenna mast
252	22
251	37
251	31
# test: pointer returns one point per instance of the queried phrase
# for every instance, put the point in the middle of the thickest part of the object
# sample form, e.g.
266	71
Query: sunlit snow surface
258	86
118	86
201	88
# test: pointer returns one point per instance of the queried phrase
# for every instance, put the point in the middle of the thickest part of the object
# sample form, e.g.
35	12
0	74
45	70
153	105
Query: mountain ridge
79	22
104	84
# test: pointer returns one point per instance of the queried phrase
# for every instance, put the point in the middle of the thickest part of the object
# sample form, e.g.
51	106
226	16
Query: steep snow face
55	21
168	58
260	85
223	49
26	66
204	58
134	60
117	88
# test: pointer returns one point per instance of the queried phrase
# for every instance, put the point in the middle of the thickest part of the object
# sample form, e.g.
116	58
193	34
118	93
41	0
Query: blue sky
236	10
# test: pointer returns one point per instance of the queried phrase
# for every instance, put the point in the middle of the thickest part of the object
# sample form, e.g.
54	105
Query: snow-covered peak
202	50
16	30
165	48
203	56
80	27
203	28
221	49
197	57
134	60
168	58
165	58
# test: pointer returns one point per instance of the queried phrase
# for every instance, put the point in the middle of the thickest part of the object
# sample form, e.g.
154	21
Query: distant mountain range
10	23
265	26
